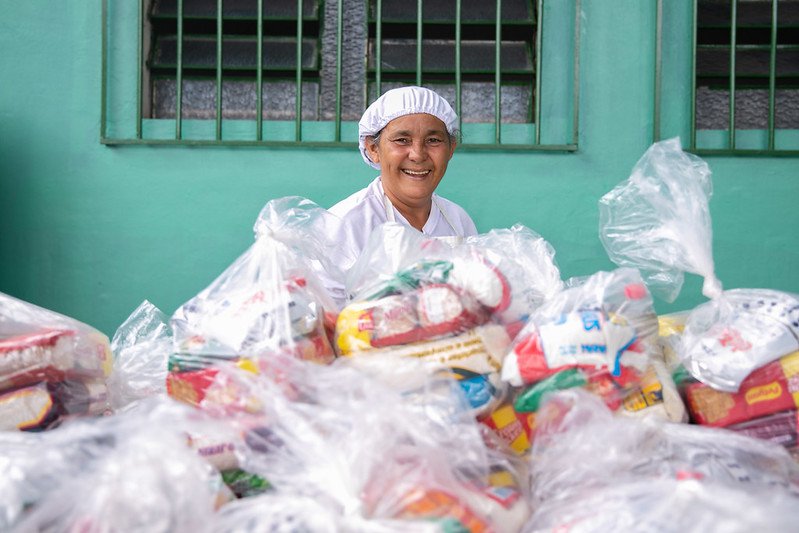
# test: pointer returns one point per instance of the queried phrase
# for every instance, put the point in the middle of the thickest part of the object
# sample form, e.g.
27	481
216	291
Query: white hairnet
399	102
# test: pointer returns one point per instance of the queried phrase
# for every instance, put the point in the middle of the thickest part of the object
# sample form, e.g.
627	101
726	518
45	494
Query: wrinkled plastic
659	220
51	367
265	304
593	471
377	441
728	338
141	347
132	471
597	335
454	306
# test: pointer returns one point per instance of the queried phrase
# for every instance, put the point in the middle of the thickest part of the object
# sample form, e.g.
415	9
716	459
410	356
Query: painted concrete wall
90	230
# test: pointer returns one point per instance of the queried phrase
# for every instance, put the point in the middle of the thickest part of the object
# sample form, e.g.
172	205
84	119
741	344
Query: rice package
51	367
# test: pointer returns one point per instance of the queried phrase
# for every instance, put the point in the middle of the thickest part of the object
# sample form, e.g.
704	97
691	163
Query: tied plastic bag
659	221
440	305
454	306
373	446
598	335
267	302
133	471
51	366
593	471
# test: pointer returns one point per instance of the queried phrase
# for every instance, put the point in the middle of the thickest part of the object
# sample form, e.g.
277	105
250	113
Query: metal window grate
301	72
744	92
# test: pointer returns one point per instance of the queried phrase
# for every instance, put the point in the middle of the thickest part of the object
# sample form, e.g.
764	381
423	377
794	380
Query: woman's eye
401	140
434	140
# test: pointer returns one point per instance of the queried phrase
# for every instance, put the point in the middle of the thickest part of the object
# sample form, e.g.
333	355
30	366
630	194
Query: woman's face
413	152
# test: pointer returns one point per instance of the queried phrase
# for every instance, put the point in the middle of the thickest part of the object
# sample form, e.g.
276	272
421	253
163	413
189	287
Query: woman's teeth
416	173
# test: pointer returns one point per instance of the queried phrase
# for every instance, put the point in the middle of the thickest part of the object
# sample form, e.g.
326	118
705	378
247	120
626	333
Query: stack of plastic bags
457	309
51	367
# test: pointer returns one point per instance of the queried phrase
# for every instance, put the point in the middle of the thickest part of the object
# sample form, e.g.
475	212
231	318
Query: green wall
90	230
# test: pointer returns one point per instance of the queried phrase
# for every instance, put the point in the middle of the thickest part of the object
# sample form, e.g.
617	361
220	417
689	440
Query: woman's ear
372	149
453	145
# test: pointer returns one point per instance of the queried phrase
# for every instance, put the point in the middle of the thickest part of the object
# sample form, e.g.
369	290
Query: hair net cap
399	102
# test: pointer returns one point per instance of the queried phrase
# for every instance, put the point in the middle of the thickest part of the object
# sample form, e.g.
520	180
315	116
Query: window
303	71
745	77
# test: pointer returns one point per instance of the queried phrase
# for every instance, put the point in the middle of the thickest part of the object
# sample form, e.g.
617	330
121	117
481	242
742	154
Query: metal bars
749	32
186	63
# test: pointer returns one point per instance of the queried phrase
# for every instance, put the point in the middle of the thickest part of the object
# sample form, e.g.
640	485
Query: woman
409	134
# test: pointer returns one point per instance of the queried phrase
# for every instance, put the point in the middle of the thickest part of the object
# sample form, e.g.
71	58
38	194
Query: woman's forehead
417	122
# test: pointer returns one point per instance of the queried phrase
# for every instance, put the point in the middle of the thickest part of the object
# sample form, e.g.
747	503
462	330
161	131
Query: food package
268	302
598	335
767	390
780	428
659	221
373	442
424	314
593	471
51	367
132	471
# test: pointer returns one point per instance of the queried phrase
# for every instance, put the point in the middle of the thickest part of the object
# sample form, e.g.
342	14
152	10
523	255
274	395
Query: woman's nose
418	151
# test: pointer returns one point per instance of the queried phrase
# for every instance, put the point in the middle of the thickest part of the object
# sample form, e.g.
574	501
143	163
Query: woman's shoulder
357	201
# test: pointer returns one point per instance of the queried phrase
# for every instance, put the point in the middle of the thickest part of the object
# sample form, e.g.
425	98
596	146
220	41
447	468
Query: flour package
51	367
456	308
659	221
592	471
270	301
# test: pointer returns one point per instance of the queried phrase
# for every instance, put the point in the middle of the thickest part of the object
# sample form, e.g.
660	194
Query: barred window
303	71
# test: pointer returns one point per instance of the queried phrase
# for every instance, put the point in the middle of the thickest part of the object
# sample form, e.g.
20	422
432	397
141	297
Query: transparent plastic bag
598	335
141	347
596	472
580	445
51	366
268	302
659	221
454	305
378	445
133	471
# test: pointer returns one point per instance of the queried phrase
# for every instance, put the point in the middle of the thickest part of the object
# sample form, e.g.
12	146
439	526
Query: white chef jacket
364	210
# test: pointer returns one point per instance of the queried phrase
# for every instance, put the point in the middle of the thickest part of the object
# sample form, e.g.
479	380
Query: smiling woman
409	134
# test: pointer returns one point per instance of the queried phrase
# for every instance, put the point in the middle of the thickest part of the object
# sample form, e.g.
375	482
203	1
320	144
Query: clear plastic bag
599	335
133	471
454	306
376	443
268	302
659	221
141	347
51	366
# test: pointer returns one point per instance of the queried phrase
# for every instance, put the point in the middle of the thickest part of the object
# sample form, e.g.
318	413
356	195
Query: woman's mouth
416	174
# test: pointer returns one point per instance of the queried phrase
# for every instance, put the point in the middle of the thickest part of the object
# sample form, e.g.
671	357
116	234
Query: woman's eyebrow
408	133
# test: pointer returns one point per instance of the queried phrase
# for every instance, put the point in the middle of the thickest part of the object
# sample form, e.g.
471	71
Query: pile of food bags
738	350
51	367
430	387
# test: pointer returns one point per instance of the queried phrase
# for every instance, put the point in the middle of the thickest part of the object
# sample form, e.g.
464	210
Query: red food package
767	390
